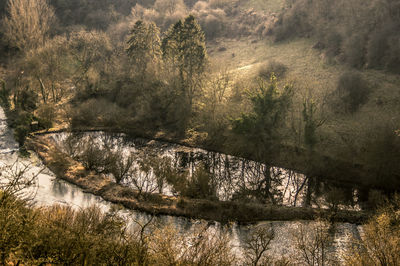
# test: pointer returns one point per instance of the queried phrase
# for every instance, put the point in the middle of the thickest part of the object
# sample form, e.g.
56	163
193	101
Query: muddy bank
223	211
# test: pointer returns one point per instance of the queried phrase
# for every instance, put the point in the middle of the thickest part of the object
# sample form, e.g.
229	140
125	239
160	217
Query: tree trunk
42	89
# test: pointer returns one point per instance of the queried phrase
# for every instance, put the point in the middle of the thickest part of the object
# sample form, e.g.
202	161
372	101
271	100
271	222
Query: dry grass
312	74
306	67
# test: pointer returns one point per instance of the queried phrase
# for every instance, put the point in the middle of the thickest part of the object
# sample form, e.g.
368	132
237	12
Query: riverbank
222	211
343	173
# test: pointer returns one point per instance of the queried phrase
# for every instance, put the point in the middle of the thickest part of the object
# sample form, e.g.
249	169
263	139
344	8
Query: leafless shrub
141	176
169	7
15	217
199	246
354	50
163	171
95	157
256	244
142	235
121	167
312	242
353	90
16	177
72	145
46	114
273	68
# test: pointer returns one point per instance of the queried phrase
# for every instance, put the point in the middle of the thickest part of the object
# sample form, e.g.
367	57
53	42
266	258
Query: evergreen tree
259	132
185	50
261	129
144	46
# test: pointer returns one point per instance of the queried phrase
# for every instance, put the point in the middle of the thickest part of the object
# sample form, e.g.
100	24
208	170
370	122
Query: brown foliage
28	23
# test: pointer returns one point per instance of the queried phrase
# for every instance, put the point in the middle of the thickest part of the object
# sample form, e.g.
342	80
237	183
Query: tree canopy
144	47
184	47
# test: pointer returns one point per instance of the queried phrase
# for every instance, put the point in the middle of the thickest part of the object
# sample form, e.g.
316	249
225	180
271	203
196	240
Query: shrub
393	55
4	94
376	199
120	167
354	50
335	197
380	150
199	246
26	100
257	243
377	47
333	42
220	3
291	24
15	224
88	236
380	244
273	68
22	126
60	163
85	114
313	242
92	113
200	185
353	91
212	26
46	115
96	158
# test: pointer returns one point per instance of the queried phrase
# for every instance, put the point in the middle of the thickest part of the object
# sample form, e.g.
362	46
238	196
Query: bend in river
50	190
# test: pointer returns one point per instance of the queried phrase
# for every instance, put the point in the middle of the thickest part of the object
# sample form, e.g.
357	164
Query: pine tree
185	50
144	46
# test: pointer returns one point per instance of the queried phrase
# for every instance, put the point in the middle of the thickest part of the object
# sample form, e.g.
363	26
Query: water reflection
59	188
233	178
230	171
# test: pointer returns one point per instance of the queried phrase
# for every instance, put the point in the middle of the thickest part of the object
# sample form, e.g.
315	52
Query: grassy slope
309	70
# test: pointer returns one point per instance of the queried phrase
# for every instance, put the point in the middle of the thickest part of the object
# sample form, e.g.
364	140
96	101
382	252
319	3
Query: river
49	190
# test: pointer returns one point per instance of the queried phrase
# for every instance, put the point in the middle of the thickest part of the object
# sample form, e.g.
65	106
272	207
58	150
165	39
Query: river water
49	190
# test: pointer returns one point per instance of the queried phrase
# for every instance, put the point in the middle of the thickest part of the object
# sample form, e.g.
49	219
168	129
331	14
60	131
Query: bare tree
163	171
91	50
142	246
15	178
198	246
169	7
257	244
14	214
312	242
46	65
141	176
121	167
28	23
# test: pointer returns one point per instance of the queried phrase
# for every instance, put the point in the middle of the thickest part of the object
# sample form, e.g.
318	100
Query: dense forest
310	86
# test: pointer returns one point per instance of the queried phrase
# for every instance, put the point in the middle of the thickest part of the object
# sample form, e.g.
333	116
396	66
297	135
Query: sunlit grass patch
312	74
